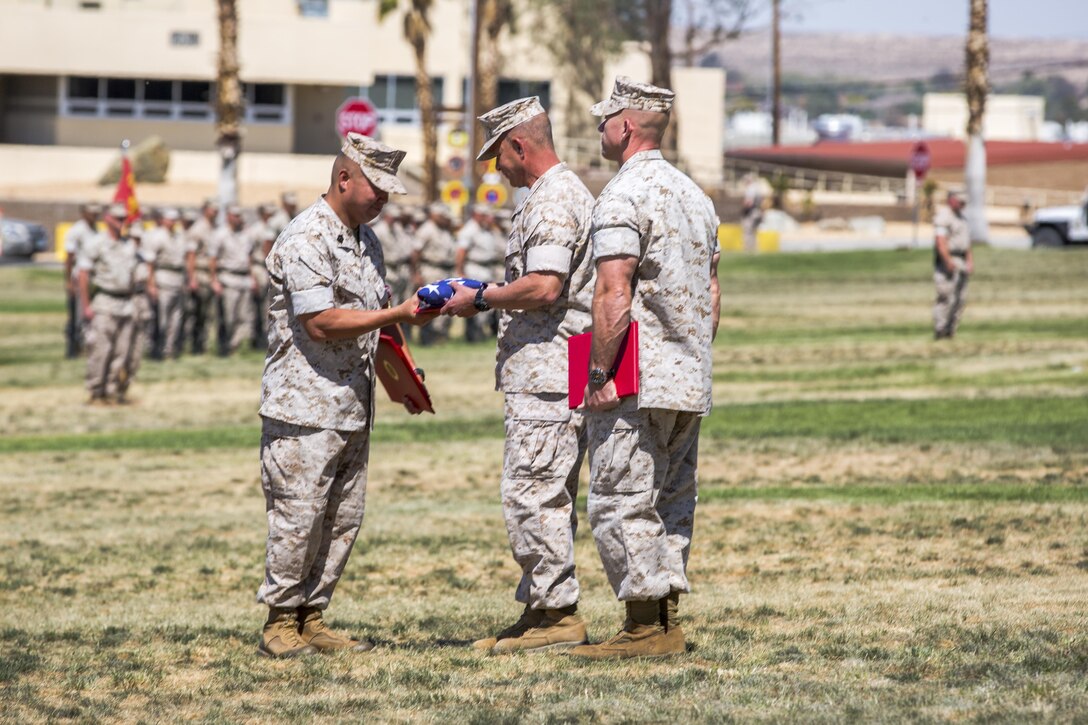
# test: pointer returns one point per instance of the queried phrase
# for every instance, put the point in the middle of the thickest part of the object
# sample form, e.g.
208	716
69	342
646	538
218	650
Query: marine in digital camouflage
644	453
950	284
168	249
549	233
111	265
232	249
652	211
316	264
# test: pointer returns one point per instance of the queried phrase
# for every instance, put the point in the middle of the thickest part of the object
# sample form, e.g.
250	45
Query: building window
167	99
313	8
512	89
395	98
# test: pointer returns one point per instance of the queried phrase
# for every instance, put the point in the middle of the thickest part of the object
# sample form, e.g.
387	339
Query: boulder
150	162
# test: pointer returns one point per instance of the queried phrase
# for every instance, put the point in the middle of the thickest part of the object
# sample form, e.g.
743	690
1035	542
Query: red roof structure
892	158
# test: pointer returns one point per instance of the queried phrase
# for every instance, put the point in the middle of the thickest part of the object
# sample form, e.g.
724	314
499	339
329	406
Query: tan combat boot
280	636
314	632
644	634
557	629
529	618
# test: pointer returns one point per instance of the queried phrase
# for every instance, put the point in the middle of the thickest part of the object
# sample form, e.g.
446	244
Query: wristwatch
599	377
480	303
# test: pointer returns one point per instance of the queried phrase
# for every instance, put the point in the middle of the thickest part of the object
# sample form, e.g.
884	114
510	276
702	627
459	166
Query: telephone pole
471	177
776	72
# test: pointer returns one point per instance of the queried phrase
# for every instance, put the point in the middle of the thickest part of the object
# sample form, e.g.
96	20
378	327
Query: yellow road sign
454	193
457	138
492	194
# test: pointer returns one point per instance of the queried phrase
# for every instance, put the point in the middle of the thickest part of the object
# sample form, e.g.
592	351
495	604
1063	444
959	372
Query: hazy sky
1008	18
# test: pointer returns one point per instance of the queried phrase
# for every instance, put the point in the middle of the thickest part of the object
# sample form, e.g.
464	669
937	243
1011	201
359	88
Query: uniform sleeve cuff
548	258
308	301
615	241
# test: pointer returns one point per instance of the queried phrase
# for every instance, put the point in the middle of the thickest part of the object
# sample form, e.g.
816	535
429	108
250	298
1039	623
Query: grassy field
889	528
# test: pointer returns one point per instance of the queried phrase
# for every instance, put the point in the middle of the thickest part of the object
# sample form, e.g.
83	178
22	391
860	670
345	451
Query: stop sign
919	159
356	115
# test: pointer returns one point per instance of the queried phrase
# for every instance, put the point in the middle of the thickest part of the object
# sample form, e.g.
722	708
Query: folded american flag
435	295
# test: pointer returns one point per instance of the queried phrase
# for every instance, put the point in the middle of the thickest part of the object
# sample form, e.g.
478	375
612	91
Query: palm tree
228	103
417	31
978	61
495	15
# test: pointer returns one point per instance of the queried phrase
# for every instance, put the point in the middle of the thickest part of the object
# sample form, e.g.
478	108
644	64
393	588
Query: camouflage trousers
171	317
314	483
238	311
951	299
113	336
201	315
545	445
642	493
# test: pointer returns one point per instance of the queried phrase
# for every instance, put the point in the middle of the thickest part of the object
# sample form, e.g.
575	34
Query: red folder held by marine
625	365
397	370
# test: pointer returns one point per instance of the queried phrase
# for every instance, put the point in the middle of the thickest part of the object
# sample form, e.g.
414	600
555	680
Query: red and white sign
920	159
356	115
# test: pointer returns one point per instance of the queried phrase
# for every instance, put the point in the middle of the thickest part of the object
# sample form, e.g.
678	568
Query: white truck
1057	226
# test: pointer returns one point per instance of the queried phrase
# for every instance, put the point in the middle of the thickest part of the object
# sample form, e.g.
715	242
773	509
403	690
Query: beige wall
700	105
177	134
318	57
133	39
1008	118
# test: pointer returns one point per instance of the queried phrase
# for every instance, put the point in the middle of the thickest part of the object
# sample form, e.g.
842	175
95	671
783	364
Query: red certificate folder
397	371
625	365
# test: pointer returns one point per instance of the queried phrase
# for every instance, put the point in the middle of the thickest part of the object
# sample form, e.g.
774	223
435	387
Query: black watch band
599	377
480	303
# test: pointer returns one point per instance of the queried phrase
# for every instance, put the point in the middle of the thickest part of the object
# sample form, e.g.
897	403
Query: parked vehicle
19	238
1057	226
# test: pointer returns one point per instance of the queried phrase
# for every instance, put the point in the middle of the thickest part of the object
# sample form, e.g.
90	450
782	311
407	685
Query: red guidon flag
126	190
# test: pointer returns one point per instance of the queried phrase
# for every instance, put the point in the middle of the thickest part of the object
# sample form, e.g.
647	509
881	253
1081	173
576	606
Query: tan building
1008	118
88	73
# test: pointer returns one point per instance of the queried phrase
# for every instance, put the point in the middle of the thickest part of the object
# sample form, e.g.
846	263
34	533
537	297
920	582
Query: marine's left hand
603	398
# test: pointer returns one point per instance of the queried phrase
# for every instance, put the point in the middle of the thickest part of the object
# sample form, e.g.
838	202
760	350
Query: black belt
115	295
170	269
961	255
231	271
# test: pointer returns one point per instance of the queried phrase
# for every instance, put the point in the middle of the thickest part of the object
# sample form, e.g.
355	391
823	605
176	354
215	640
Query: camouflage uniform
317	405
484	250
951	284
143	309
437	248
78	235
397	248
111	264
643	454
545	440
201	313
261	233
233	252
168	249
